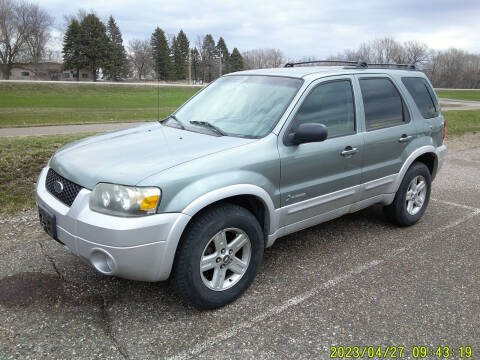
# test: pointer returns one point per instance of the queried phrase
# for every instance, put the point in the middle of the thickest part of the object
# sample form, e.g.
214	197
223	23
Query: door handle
349	151
405	138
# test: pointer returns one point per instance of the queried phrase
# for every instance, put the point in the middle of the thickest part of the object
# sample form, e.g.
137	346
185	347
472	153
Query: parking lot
354	281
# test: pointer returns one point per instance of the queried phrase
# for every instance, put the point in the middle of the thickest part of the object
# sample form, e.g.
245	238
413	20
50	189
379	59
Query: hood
128	156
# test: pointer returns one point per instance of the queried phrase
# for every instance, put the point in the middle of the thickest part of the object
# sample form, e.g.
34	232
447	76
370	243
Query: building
49	71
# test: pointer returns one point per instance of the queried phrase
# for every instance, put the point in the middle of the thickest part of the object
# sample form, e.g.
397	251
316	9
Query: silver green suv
254	156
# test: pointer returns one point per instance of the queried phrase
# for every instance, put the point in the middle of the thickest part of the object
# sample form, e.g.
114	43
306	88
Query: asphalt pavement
354	281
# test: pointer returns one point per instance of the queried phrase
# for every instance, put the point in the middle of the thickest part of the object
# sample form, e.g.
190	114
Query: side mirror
308	133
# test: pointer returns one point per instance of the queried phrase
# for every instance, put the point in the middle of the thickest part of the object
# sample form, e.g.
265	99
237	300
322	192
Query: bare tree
24	33
140	57
454	68
263	58
40	22
79	16
14	29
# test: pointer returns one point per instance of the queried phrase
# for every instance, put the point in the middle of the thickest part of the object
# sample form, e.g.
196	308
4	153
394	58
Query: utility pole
189	67
220	57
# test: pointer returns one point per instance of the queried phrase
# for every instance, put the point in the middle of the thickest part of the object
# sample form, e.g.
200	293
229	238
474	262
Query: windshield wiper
210	126
176	120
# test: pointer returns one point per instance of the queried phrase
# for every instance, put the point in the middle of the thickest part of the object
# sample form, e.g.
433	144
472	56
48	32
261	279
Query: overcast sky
298	28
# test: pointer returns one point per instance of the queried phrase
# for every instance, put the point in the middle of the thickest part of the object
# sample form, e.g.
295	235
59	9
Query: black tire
397	212
186	278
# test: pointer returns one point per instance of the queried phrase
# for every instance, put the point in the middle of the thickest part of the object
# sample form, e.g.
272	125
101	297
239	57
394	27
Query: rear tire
412	197
227	241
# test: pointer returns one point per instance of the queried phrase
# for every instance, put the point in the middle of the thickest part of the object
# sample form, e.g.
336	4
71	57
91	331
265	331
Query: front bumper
136	248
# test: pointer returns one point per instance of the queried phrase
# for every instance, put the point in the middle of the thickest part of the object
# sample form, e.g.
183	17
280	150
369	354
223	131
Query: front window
330	104
245	106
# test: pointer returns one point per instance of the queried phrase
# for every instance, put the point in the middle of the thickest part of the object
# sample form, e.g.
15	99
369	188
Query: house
45	71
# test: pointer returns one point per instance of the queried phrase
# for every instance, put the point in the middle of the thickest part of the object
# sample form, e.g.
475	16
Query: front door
320	177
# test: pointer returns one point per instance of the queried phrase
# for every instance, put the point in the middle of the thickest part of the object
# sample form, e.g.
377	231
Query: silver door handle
349	151
405	138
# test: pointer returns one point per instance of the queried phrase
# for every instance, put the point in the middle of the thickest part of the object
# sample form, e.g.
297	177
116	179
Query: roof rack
357	64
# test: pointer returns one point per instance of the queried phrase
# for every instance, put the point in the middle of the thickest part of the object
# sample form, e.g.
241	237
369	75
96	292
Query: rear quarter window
422	94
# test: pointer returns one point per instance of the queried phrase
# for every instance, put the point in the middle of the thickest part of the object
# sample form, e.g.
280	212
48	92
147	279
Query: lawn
21	160
459	94
462	121
26	104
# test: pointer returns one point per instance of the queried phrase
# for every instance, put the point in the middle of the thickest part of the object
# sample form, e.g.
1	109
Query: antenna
158	97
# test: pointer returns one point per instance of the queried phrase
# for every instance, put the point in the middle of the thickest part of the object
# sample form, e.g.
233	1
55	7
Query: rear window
382	102
423	96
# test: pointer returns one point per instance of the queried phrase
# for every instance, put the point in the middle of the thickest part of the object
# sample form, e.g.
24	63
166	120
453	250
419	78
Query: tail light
444	129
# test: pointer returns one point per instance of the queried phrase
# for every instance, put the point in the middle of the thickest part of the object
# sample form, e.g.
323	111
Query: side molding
235	190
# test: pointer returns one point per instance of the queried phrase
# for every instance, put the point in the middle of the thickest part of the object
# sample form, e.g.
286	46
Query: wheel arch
251	197
426	155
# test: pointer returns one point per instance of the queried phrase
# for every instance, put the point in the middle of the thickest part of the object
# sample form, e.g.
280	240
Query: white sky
300	28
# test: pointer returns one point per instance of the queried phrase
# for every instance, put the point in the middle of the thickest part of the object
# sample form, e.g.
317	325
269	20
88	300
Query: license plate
47	220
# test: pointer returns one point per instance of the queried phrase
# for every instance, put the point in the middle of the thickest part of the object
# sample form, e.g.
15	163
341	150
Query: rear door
389	131
318	177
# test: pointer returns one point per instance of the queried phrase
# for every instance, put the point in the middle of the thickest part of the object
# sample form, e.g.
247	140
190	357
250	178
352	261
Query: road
455	104
353	281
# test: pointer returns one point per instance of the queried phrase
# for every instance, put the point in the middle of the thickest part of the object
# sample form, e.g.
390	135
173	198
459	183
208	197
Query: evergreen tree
182	46
195	63
73	58
209	52
172	72
95	45
236	60
161	54
223	55
116	66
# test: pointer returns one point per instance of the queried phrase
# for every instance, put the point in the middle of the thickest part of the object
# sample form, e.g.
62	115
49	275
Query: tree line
451	68
88	43
173	57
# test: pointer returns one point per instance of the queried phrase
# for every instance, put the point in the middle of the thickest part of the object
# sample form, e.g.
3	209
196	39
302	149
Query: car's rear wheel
412	197
218	257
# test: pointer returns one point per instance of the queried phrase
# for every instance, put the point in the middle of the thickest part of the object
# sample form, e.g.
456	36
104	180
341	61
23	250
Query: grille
70	189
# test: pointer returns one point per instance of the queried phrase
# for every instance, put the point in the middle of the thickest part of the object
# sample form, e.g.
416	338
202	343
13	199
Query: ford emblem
58	186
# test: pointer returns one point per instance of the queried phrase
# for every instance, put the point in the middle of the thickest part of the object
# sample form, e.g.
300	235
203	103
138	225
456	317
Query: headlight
123	200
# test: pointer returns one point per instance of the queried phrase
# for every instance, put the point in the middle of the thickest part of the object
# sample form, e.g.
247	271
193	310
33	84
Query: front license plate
47	220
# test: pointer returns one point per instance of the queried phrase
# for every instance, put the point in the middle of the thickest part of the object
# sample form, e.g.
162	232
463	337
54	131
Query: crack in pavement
50	259
103	304
107	328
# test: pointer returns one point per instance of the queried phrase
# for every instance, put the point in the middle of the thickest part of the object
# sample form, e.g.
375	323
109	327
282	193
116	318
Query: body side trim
315	220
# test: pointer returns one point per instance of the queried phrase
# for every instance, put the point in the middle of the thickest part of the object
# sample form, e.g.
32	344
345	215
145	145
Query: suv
252	157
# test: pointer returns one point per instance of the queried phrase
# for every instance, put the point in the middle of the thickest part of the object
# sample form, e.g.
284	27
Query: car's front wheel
218	257
412	197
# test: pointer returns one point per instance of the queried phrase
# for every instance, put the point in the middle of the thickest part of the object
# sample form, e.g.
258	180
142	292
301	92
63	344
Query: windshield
247	106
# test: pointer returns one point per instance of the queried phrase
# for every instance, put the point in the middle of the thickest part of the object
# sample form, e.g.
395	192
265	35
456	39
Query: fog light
102	261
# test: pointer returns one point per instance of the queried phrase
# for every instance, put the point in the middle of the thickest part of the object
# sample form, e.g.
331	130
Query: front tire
412	197
219	256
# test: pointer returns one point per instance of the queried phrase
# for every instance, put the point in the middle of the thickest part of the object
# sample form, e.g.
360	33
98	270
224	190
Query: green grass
52	104
462	121
21	160
459	94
